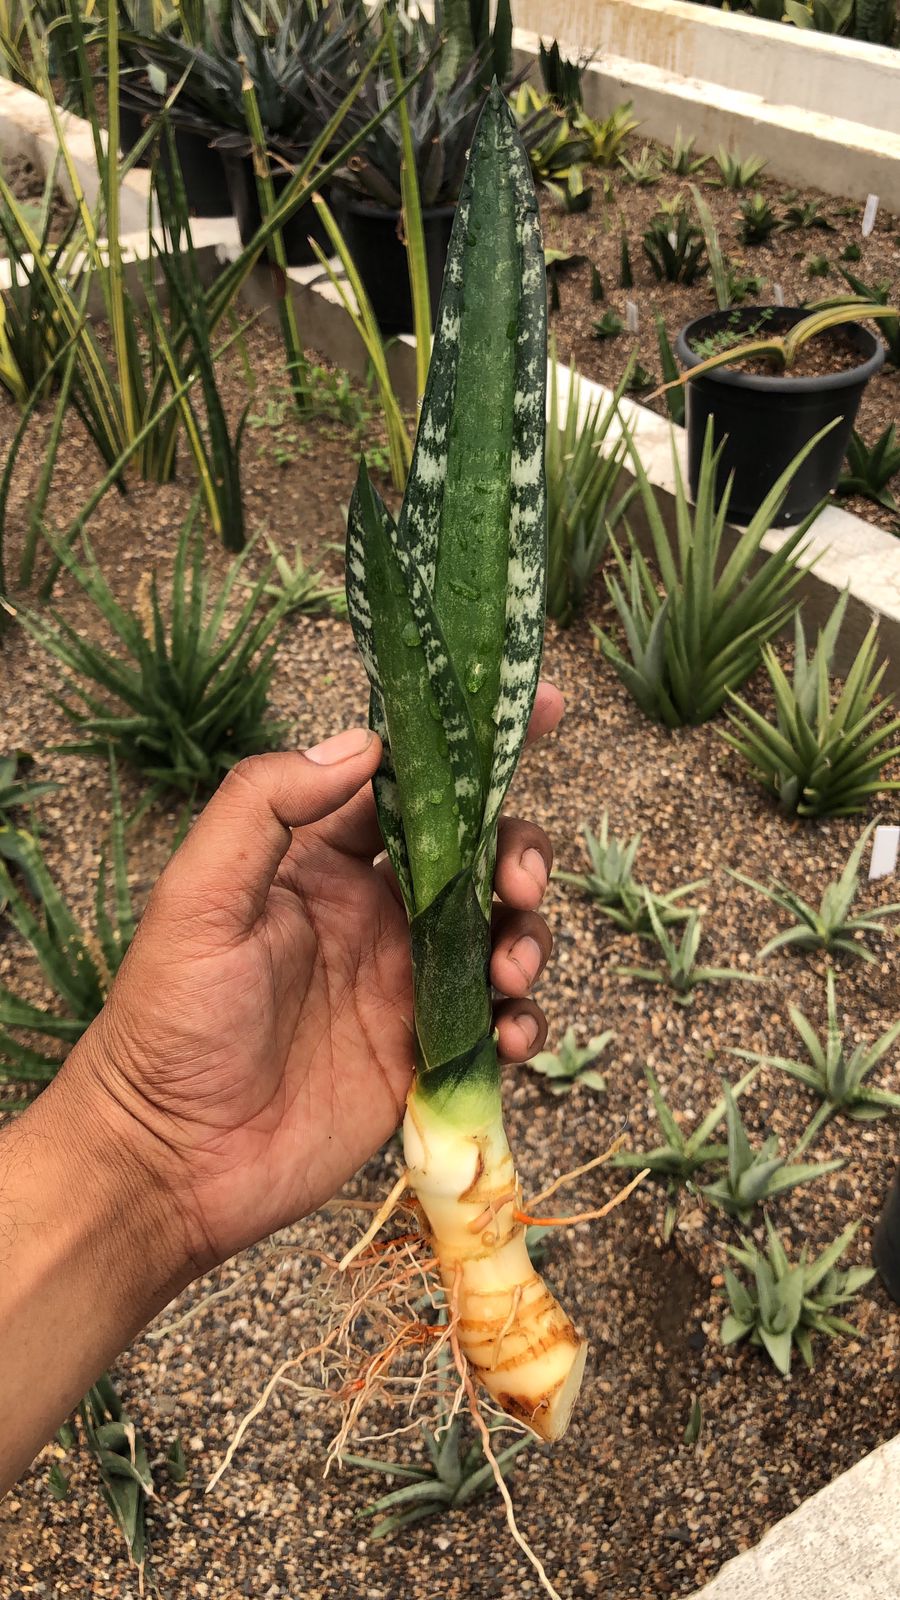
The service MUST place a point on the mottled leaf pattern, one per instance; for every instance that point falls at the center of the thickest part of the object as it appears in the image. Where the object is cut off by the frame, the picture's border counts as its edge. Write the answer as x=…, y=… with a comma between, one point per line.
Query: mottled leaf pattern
x=528, y=510
x=453, y=662
x=387, y=804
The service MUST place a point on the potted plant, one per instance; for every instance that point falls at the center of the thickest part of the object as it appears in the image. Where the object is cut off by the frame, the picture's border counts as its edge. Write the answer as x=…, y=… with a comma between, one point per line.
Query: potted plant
x=443, y=107
x=771, y=378
x=301, y=71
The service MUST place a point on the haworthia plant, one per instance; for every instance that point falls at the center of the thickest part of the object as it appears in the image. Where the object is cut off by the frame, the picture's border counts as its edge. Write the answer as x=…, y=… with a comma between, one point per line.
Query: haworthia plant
x=447, y=606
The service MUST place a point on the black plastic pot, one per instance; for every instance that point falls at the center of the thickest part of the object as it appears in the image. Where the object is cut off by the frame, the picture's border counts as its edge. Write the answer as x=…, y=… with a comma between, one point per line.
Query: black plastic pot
x=373, y=238
x=297, y=231
x=764, y=421
x=201, y=165
x=886, y=1242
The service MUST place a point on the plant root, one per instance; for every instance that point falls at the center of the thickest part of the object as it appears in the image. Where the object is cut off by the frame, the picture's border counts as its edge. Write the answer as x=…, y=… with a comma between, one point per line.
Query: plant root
x=383, y=1349
x=462, y=1367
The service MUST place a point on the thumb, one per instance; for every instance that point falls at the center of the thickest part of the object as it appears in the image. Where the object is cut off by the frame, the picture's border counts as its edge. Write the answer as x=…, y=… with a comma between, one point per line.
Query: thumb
x=226, y=865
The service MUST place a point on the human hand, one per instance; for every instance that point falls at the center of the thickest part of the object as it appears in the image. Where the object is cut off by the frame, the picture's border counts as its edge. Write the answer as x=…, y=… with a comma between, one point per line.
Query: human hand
x=257, y=1044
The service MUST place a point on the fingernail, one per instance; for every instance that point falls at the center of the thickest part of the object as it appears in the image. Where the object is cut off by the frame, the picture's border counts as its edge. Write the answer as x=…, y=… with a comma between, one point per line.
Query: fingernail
x=528, y=956
x=340, y=747
x=534, y=864
x=529, y=1027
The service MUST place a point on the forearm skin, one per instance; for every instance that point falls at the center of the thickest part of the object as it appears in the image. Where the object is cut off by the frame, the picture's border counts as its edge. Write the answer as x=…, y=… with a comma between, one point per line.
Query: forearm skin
x=89, y=1253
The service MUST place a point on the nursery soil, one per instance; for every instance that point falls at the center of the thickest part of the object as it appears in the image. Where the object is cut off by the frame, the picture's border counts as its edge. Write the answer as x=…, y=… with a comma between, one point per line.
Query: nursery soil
x=827, y=353
x=783, y=263
x=623, y=1508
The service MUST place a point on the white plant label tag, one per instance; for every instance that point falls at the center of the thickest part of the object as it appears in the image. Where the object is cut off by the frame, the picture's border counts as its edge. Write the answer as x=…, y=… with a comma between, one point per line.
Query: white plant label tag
x=870, y=212
x=631, y=316
x=778, y=294
x=885, y=849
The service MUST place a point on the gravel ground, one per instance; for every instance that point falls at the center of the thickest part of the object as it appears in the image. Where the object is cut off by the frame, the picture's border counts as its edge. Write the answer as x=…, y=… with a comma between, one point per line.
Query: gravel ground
x=624, y=1509
x=783, y=261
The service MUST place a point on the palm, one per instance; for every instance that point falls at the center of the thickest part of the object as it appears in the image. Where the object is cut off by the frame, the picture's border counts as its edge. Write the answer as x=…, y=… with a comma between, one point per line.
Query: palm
x=296, y=1037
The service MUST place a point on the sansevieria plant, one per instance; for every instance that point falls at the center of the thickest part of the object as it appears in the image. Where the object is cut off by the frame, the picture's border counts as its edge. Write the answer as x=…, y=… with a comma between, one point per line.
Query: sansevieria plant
x=447, y=605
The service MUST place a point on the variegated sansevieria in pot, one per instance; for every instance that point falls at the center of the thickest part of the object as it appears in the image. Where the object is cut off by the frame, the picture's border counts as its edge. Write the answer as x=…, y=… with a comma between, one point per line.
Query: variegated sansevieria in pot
x=447, y=606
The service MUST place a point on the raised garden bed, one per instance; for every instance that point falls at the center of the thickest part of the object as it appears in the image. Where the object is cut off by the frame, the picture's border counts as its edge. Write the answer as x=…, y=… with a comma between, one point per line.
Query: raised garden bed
x=782, y=265
x=625, y=1508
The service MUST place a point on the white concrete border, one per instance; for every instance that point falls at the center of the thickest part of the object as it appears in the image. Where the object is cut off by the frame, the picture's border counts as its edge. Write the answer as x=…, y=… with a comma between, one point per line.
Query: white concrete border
x=841, y=1544
x=821, y=110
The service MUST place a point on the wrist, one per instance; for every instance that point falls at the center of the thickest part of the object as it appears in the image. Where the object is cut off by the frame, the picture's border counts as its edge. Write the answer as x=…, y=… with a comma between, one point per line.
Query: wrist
x=138, y=1239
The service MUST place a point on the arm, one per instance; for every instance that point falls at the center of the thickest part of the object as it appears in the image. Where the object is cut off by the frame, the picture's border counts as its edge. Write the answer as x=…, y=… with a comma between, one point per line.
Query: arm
x=255, y=1049
x=88, y=1256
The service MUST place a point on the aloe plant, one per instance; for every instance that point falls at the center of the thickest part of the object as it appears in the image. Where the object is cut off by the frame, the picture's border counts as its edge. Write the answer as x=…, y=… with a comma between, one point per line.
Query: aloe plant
x=573, y=1063
x=684, y=649
x=612, y=885
x=447, y=607
x=833, y=1072
x=675, y=249
x=583, y=474
x=736, y=172
x=181, y=699
x=753, y=1176
x=78, y=962
x=681, y=972
x=455, y=1475
x=676, y=1162
x=786, y=1303
x=831, y=926
x=871, y=468
x=825, y=753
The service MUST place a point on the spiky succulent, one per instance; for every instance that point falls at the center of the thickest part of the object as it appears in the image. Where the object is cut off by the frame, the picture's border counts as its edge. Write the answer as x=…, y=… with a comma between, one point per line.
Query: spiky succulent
x=676, y=1162
x=612, y=884
x=831, y=927
x=825, y=754
x=786, y=1302
x=78, y=963
x=301, y=71
x=572, y=1063
x=456, y=1473
x=753, y=1176
x=16, y=792
x=681, y=972
x=675, y=248
x=871, y=468
x=758, y=220
x=442, y=117
x=834, y=1072
x=736, y=172
x=297, y=587
x=681, y=159
x=582, y=478
x=684, y=649
x=555, y=147
x=644, y=170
